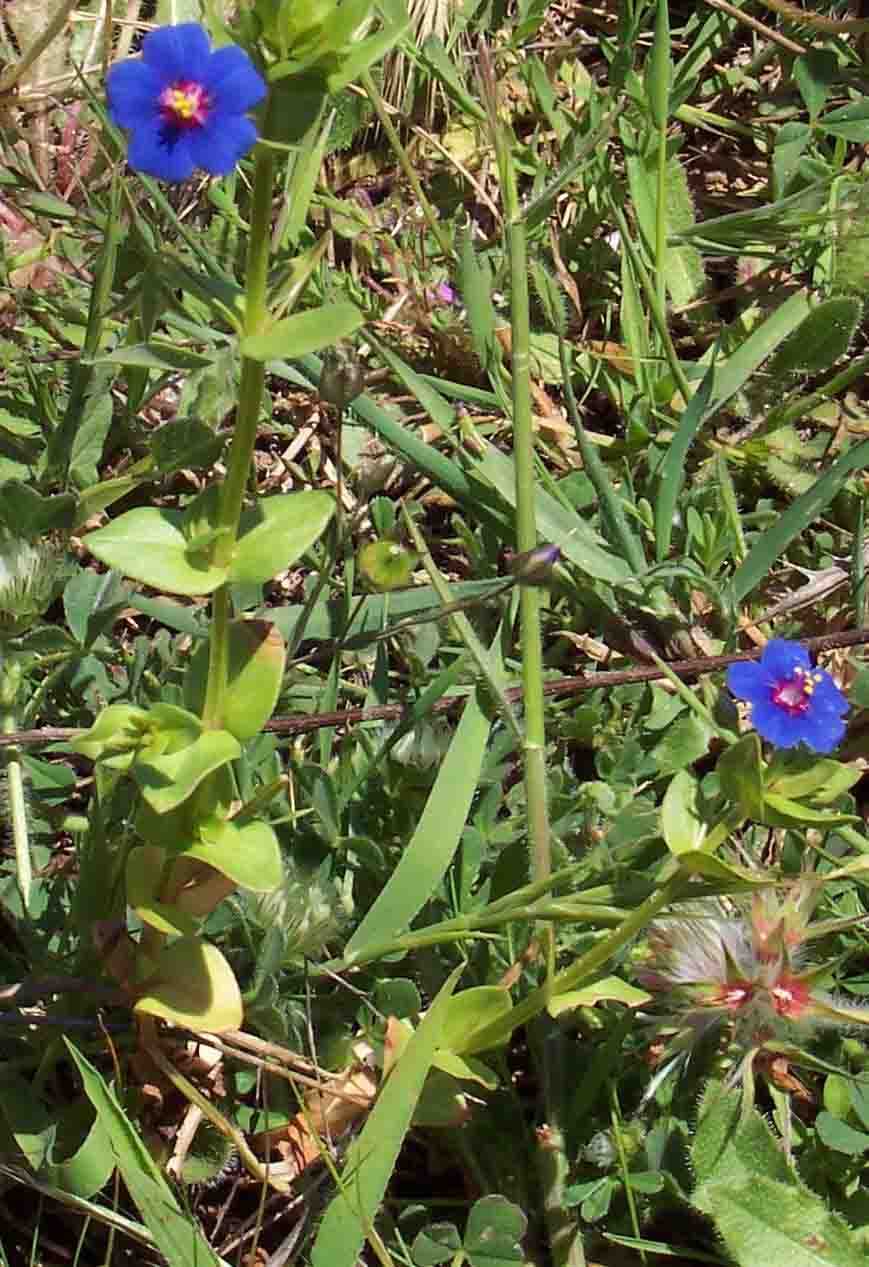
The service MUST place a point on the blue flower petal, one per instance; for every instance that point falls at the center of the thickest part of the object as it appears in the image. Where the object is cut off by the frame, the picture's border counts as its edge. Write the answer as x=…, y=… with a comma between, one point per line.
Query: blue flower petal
x=780, y=658
x=232, y=80
x=827, y=697
x=827, y=736
x=775, y=724
x=221, y=142
x=819, y=725
x=133, y=90
x=747, y=679
x=177, y=52
x=150, y=152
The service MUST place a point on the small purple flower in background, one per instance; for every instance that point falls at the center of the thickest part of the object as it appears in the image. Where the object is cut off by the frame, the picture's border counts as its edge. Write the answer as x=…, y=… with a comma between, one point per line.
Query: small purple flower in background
x=443, y=293
x=185, y=106
x=792, y=702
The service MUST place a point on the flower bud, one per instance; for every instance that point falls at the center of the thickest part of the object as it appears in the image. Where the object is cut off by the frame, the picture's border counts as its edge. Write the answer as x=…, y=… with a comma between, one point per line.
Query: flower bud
x=342, y=378
x=534, y=567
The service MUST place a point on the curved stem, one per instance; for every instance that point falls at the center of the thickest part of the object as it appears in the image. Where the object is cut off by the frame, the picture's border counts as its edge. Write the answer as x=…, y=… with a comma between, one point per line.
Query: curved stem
x=246, y=419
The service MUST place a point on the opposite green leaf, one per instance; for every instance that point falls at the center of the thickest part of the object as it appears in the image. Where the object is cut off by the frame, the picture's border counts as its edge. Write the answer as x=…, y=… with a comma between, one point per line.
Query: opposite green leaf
x=193, y=986
x=249, y=855
x=276, y=532
x=149, y=545
x=169, y=780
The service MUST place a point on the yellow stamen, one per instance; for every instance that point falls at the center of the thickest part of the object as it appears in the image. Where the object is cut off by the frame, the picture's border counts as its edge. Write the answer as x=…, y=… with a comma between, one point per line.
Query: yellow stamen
x=183, y=103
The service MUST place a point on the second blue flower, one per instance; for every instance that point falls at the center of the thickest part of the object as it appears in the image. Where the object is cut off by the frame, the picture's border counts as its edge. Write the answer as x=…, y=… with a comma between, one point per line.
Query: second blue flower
x=792, y=702
x=185, y=106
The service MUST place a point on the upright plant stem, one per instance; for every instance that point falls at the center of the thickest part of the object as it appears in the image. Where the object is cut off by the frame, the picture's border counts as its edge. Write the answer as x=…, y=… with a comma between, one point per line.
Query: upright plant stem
x=244, y=435
x=526, y=532
x=660, y=67
x=10, y=680
x=565, y=1241
x=18, y=817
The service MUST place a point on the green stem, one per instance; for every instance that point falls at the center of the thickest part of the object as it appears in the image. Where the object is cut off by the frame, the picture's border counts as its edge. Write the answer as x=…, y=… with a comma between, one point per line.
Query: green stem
x=10, y=681
x=585, y=966
x=526, y=527
x=252, y=372
x=661, y=220
x=246, y=419
x=18, y=817
x=656, y=310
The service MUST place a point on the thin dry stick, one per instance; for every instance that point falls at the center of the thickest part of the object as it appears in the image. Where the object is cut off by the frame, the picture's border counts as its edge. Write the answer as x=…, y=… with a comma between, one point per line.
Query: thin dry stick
x=747, y=20
x=554, y=689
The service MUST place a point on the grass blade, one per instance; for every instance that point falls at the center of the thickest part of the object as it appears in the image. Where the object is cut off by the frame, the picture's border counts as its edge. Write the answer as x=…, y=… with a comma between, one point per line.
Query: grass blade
x=425, y=860
x=372, y=1155
x=798, y=516
x=175, y=1233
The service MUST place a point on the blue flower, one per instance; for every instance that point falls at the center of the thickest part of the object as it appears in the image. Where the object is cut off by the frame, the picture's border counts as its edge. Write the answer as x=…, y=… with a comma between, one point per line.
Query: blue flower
x=185, y=105
x=791, y=701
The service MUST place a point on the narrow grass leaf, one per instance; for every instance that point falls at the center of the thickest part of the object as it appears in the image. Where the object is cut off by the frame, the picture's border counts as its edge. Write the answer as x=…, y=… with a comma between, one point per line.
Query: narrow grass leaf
x=476, y=283
x=372, y=1155
x=445, y=472
x=436, y=60
x=630, y=545
x=660, y=67
x=433, y=845
x=672, y=468
x=431, y=400
x=719, y=385
x=577, y=541
x=175, y=1233
x=798, y=516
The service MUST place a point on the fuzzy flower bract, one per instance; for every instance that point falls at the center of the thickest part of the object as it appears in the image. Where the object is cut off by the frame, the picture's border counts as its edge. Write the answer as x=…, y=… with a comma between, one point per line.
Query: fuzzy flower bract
x=791, y=701
x=185, y=106
x=32, y=574
x=743, y=969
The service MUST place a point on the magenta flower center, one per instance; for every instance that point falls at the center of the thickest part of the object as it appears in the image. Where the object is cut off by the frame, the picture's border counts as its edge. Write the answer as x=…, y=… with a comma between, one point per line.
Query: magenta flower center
x=735, y=996
x=185, y=104
x=794, y=694
x=790, y=998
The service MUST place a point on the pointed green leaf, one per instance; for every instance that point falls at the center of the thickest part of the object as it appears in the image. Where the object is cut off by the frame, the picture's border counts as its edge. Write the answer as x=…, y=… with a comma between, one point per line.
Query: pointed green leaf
x=681, y=825
x=824, y=780
x=372, y=1155
x=740, y=770
x=304, y=332
x=608, y=988
x=779, y=811
x=799, y=515
x=431, y=849
x=176, y=1235
x=470, y=1010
